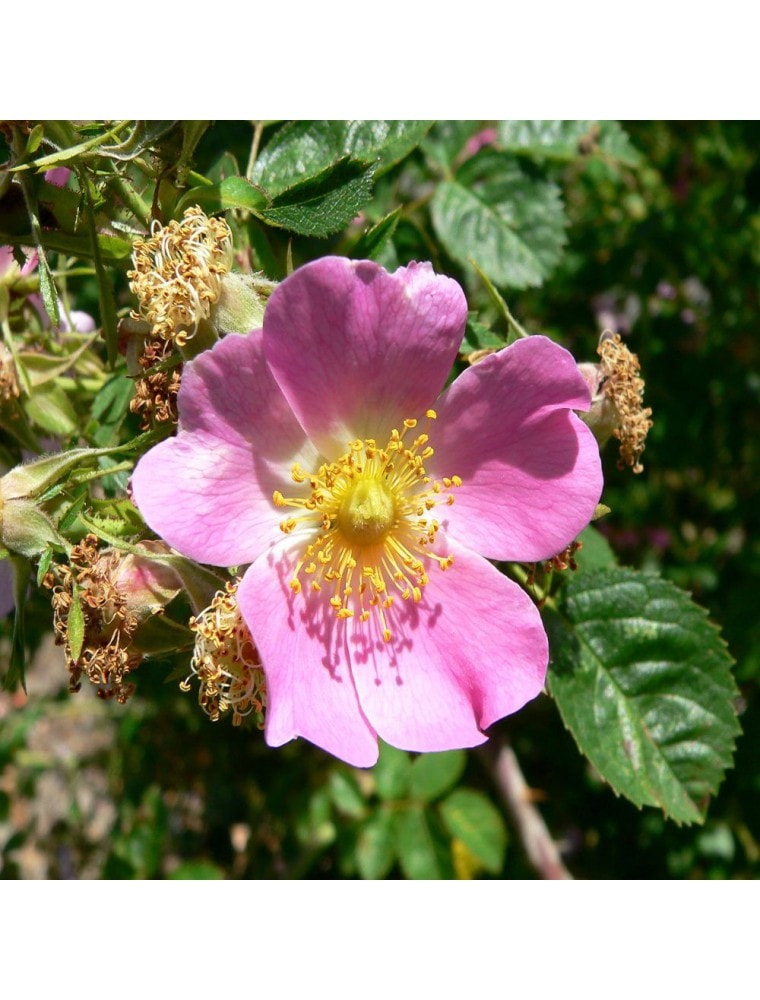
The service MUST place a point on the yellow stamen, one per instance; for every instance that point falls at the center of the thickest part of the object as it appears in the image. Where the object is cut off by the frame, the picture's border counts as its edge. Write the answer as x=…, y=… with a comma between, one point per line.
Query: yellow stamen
x=369, y=524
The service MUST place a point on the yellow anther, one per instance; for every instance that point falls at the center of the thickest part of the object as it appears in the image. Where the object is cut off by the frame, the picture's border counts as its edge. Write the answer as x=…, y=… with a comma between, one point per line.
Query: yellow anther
x=456, y=480
x=367, y=518
x=295, y=586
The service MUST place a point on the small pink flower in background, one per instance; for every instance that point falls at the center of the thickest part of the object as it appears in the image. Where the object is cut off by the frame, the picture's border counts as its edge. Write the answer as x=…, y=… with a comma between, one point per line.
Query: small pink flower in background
x=486, y=137
x=319, y=453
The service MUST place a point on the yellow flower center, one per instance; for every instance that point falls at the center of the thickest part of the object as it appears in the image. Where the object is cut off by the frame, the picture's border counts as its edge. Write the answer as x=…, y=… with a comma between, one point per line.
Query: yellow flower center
x=368, y=515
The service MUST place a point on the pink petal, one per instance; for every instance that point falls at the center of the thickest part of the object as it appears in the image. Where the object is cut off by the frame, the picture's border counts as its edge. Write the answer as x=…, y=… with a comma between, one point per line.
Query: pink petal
x=530, y=468
x=310, y=691
x=357, y=350
x=472, y=651
x=208, y=492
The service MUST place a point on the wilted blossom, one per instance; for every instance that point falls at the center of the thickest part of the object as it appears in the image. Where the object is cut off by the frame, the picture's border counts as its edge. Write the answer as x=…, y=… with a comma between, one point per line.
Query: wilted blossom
x=318, y=453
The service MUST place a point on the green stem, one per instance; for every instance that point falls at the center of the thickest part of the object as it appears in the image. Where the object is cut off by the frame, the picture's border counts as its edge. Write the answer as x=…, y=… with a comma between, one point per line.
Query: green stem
x=137, y=205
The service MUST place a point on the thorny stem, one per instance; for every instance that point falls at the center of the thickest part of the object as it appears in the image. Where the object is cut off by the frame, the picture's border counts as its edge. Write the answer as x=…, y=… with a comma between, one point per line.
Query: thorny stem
x=541, y=850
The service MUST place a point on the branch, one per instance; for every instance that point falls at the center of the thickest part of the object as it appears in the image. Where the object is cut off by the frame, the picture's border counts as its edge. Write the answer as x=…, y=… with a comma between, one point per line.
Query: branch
x=543, y=854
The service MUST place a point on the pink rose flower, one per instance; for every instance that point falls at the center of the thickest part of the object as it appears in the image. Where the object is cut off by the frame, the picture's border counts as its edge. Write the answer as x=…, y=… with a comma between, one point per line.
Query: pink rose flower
x=319, y=453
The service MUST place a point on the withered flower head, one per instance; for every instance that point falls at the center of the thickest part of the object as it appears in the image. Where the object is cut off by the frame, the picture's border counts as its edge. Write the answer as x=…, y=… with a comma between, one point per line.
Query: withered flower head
x=226, y=662
x=155, y=399
x=113, y=593
x=617, y=393
x=178, y=272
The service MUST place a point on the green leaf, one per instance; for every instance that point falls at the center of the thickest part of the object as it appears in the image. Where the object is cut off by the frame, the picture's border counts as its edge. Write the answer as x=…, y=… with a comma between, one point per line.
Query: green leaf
x=42, y=368
x=109, y=408
x=472, y=818
x=418, y=853
x=112, y=248
x=76, y=625
x=564, y=141
x=345, y=794
x=392, y=773
x=434, y=773
x=614, y=142
x=550, y=140
x=229, y=193
x=376, y=846
x=643, y=681
x=371, y=244
x=446, y=141
x=509, y=224
x=304, y=149
x=323, y=204
x=51, y=409
x=596, y=552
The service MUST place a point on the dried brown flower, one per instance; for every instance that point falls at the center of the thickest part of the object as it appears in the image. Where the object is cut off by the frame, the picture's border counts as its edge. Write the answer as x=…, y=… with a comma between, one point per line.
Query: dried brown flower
x=177, y=275
x=226, y=662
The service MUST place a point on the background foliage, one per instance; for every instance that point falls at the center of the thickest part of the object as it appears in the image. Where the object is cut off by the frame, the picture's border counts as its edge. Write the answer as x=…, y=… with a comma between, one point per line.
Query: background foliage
x=650, y=228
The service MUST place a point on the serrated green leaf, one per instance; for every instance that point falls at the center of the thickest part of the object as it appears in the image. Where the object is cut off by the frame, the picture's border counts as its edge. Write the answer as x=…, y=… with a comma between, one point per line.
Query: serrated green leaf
x=643, y=681
x=376, y=846
x=472, y=818
x=509, y=224
x=324, y=204
x=417, y=852
x=392, y=773
x=304, y=149
x=614, y=142
x=551, y=140
x=434, y=773
x=345, y=794
x=564, y=141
